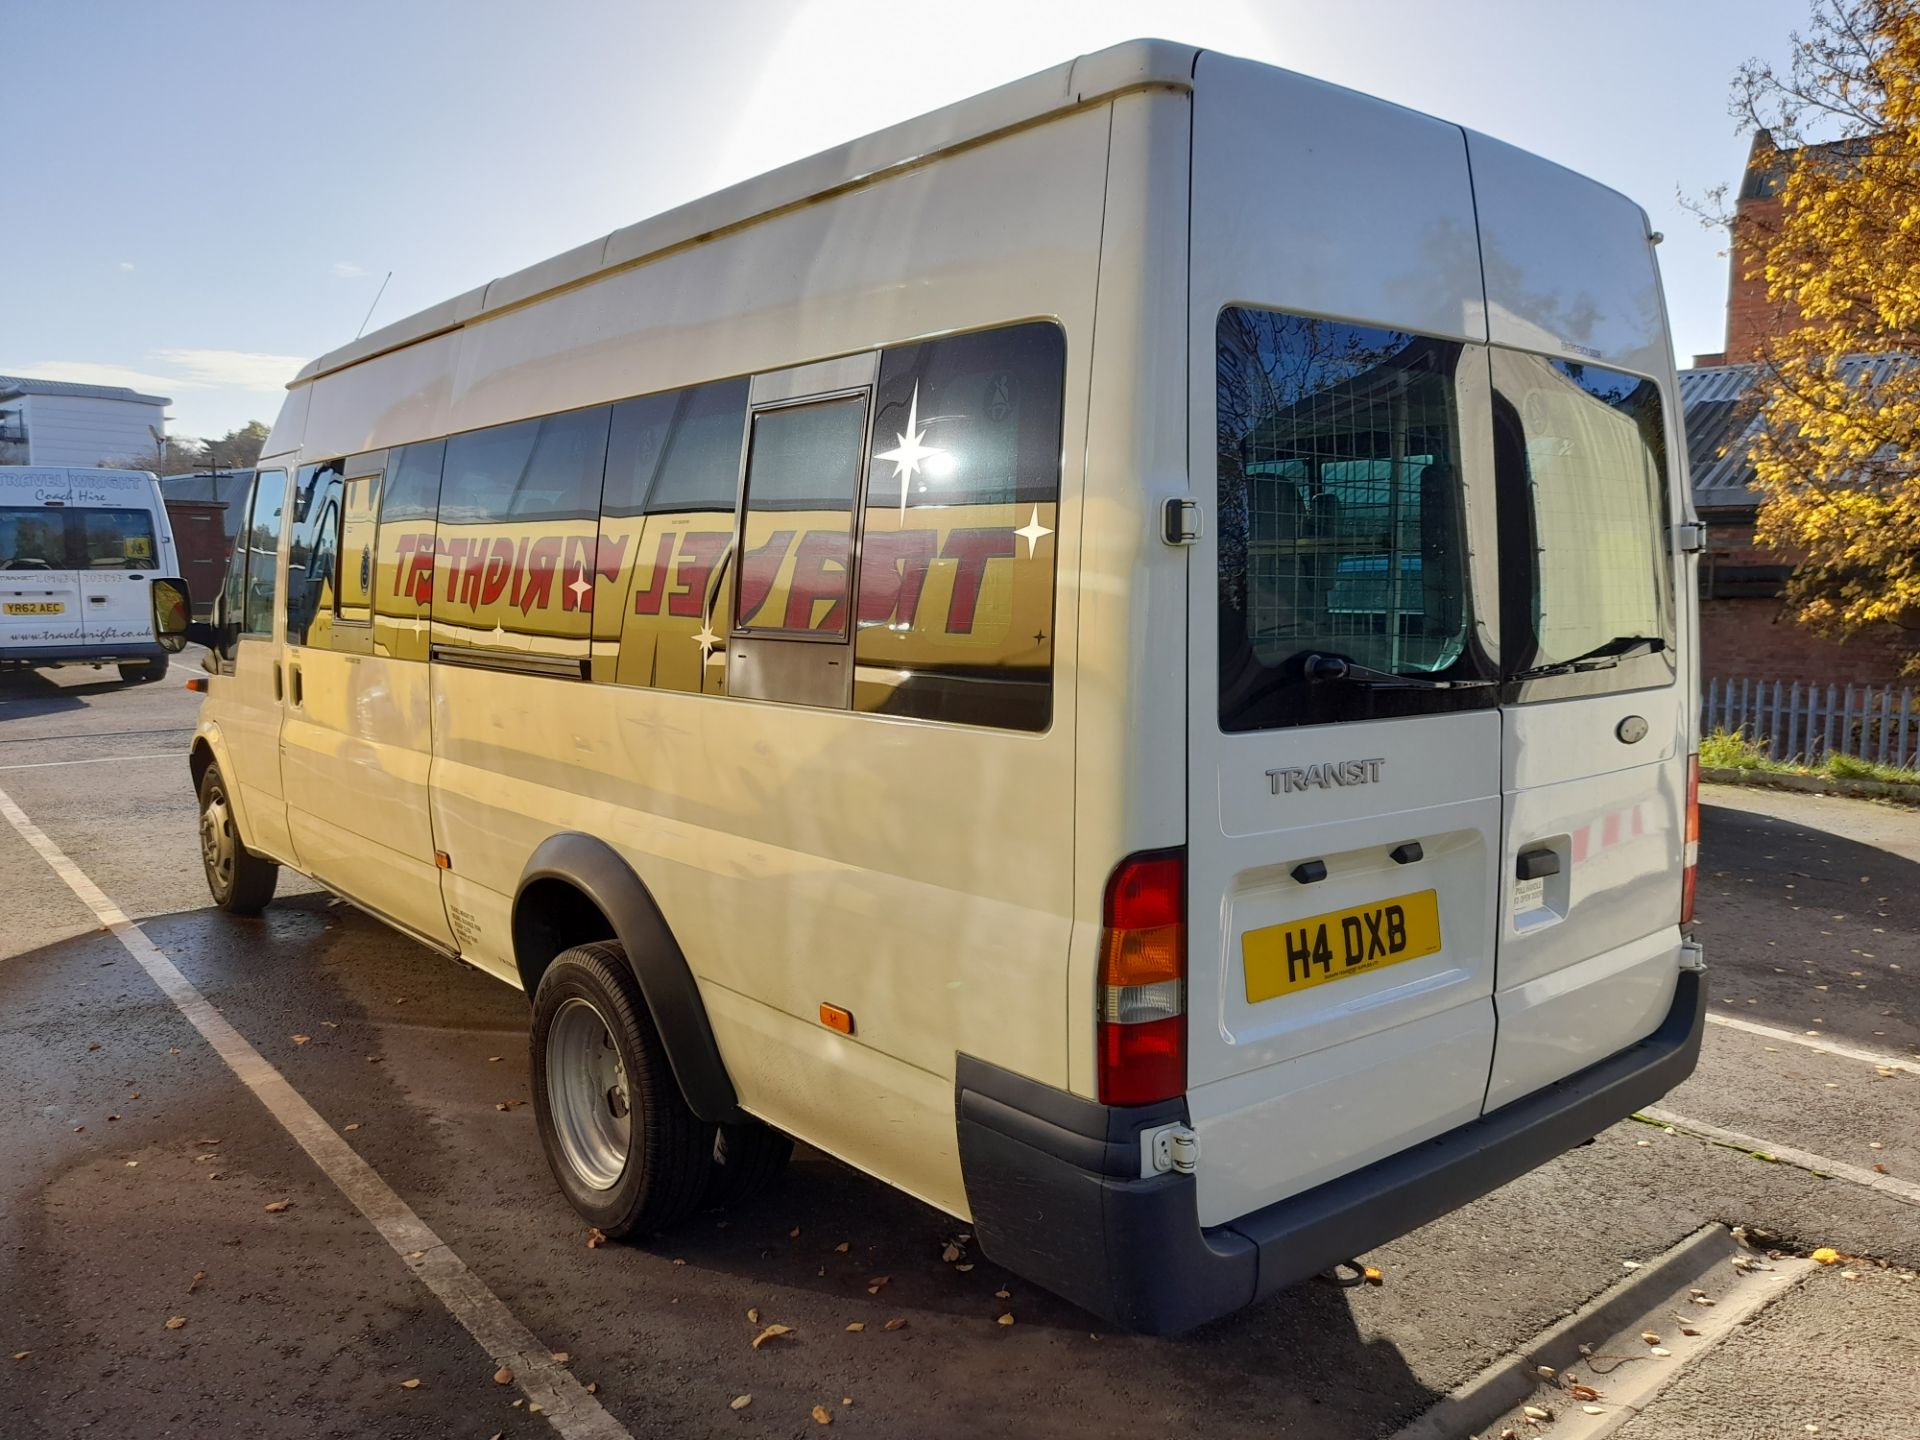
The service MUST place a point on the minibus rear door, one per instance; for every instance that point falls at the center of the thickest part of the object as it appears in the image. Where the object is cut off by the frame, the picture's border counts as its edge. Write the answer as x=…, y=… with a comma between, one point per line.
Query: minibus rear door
x=39, y=588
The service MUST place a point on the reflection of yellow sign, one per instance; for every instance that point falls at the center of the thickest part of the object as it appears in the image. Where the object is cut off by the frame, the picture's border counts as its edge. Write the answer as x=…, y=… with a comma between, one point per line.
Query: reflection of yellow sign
x=139, y=547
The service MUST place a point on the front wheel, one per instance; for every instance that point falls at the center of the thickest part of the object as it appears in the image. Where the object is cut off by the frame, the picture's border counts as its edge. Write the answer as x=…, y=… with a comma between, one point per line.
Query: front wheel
x=629, y=1153
x=241, y=882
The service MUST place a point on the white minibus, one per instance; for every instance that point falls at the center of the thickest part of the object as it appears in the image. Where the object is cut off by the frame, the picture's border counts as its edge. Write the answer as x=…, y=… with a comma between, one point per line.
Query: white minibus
x=79, y=552
x=1119, y=656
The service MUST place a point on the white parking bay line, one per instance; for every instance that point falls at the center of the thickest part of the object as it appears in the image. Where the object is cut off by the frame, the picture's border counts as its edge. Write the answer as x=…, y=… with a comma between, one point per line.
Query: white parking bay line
x=1787, y=1155
x=96, y=760
x=564, y=1402
x=1817, y=1042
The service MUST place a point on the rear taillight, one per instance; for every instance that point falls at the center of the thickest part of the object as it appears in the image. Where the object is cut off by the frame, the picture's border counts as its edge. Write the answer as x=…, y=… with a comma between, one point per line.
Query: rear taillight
x=1143, y=981
x=1693, y=840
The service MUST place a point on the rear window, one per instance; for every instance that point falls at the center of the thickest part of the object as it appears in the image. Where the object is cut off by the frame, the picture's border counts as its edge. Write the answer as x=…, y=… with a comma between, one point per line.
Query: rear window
x=1580, y=458
x=32, y=538
x=116, y=539
x=1342, y=520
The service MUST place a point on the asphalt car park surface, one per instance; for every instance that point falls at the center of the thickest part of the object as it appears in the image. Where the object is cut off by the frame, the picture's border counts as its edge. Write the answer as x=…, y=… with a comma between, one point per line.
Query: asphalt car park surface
x=133, y=1159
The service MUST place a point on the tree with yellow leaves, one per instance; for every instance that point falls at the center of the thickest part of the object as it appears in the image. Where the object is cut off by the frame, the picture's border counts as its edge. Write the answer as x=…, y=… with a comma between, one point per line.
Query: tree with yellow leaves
x=1837, y=450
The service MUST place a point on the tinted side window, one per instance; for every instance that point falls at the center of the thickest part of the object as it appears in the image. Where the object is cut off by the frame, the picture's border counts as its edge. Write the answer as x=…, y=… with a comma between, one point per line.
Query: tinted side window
x=1342, y=519
x=261, y=540
x=803, y=471
x=404, y=550
x=957, y=547
x=313, y=554
x=516, y=544
x=673, y=470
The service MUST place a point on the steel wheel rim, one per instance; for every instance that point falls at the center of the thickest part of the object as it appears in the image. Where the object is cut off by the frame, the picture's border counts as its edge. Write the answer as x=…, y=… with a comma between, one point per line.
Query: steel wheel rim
x=217, y=842
x=587, y=1094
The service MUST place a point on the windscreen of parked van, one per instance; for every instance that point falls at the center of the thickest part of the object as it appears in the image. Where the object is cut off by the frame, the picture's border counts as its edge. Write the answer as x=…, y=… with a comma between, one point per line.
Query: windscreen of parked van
x=1342, y=520
x=1580, y=455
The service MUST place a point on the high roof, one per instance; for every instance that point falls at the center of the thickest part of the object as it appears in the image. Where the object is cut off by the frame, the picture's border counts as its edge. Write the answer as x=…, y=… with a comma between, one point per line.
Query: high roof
x=1721, y=424
x=1134, y=65
x=12, y=385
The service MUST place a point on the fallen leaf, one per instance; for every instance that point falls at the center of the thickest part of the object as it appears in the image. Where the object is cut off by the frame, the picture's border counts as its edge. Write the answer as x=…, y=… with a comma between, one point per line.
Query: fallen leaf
x=1825, y=1255
x=842, y=1248
x=1536, y=1412
x=1849, y=1274
x=331, y=1024
x=509, y=1104
x=409, y=1384
x=1371, y=1274
x=1660, y=1350
x=679, y=1262
x=951, y=1254
x=771, y=1332
x=561, y=1357
x=874, y=1285
x=276, y=1207
x=1875, y=1145
x=1545, y=1372
x=1701, y=1300
x=1689, y=1330
x=1593, y=1409
x=93, y=1047
x=206, y=1142
x=493, y=1059
x=133, y=1164
x=79, y=1129
x=113, y=1117
x=354, y=1126
x=846, y=1399
x=593, y=1387
x=753, y=1316
x=194, y=1284
x=176, y=1322
x=1583, y=1392
x=822, y=1415
x=856, y=1326
x=1003, y=1294
x=1006, y=1319
x=503, y=1376
x=1878, y=1169
x=963, y=1269
x=1651, y=1337
x=373, y=1059
x=897, y=1323
x=595, y=1239
x=301, y=1039
x=22, y=1354
x=794, y=1233
x=740, y=1402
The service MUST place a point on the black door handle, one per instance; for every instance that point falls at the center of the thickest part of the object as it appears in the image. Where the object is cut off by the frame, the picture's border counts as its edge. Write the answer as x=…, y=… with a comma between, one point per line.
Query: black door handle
x=1535, y=864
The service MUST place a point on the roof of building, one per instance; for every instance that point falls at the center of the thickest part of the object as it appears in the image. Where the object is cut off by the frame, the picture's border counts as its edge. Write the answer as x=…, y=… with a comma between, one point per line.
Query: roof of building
x=1721, y=425
x=12, y=385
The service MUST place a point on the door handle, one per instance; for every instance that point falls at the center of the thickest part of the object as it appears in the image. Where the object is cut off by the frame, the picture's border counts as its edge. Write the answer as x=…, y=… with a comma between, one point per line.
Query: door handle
x=1537, y=864
x=293, y=674
x=277, y=691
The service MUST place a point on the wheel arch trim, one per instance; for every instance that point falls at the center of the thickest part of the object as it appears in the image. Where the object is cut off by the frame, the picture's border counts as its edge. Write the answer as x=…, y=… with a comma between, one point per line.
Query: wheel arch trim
x=596, y=870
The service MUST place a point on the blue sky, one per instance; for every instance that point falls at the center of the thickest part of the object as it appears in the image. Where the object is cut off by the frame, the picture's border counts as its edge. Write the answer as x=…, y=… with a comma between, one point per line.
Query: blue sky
x=204, y=194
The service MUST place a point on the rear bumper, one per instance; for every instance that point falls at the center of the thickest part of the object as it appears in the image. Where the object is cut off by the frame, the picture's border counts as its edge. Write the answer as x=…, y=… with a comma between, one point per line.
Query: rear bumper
x=80, y=653
x=1054, y=1184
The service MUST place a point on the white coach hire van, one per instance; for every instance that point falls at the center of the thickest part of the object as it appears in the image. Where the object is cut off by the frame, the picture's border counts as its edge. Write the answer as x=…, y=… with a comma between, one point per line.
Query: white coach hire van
x=1119, y=656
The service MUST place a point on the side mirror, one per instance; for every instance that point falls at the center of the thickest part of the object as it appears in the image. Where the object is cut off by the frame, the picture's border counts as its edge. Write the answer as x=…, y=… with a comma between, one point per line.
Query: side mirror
x=171, y=609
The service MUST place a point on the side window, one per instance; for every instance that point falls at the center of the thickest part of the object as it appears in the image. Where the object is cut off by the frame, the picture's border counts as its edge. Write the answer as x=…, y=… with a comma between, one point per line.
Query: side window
x=364, y=478
x=1580, y=459
x=516, y=544
x=673, y=471
x=803, y=473
x=313, y=554
x=403, y=567
x=955, y=613
x=261, y=541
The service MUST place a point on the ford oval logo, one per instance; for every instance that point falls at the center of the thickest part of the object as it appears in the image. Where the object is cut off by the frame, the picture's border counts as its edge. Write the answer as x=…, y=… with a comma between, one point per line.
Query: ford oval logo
x=1631, y=730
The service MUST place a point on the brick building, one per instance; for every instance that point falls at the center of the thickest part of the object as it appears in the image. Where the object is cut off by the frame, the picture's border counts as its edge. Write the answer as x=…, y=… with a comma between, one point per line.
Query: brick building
x=1746, y=631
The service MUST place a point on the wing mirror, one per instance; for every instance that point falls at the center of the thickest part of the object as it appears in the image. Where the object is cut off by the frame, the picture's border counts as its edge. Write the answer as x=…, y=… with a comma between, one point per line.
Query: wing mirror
x=172, y=626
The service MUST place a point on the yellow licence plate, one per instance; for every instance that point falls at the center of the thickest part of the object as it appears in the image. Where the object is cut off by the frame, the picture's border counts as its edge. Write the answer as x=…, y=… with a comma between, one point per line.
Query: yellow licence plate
x=1280, y=959
x=36, y=607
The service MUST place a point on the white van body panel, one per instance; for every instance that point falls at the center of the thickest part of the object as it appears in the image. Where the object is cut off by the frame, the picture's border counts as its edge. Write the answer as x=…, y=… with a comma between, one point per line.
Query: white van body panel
x=105, y=610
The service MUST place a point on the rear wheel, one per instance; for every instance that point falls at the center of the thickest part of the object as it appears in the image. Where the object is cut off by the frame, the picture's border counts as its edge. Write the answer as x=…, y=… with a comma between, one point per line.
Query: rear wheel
x=628, y=1152
x=241, y=881
x=143, y=672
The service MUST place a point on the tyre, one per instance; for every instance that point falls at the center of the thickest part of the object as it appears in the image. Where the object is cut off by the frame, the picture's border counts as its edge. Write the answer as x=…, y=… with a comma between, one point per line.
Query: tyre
x=143, y=672
x=241, y=881
x=746, y=1159
x=628, y=1152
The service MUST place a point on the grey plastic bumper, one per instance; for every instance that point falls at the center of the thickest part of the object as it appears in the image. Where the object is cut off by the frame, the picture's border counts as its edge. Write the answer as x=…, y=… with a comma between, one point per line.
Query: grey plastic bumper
x=1054, y=1184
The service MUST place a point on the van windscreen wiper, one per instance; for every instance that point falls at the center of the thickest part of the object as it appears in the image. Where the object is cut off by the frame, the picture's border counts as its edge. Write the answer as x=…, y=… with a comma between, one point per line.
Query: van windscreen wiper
x=1320, y=668
x=1601, y=657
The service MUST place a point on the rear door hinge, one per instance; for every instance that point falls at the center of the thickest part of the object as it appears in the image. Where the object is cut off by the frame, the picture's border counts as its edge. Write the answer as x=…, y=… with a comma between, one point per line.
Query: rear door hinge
x=1173, y=1148
x=1690, y=537
x=1180, y=520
